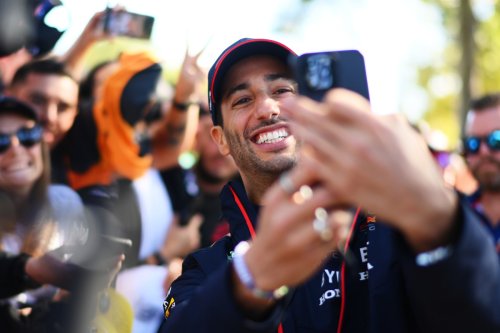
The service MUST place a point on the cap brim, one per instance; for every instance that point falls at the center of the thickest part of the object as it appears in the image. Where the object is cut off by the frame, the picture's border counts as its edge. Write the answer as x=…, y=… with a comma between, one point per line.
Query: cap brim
x=14, y=106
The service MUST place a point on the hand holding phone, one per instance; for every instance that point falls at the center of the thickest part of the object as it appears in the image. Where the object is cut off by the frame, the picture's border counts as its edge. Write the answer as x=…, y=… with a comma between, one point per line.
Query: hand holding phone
x=316, y=73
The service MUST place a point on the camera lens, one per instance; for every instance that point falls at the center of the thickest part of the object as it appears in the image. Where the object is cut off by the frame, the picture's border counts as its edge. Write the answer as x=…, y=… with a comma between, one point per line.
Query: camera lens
x=319, y=75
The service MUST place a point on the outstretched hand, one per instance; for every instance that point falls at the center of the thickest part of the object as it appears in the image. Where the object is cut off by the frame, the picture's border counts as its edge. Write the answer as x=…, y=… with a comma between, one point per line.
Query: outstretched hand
x=377, y=162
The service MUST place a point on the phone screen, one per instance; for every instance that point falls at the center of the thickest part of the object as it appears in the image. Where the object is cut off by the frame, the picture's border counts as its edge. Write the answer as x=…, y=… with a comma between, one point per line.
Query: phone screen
x=123, y=23
x=316, y=73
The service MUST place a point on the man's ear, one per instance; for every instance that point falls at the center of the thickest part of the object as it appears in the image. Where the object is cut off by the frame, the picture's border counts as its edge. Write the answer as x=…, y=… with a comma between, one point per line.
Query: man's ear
x=219, y=138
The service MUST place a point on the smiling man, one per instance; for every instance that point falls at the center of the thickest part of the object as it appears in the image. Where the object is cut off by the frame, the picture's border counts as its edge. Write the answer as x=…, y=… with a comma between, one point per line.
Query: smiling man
x=253, y=131
x=297, y=260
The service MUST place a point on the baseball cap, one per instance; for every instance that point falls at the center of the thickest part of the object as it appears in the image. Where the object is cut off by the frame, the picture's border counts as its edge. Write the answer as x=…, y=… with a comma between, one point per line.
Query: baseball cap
x=237, y=51
x=13, y=105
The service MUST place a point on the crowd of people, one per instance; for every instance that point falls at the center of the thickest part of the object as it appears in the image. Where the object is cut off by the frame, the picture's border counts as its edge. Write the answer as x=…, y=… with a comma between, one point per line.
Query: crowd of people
x=297, y=216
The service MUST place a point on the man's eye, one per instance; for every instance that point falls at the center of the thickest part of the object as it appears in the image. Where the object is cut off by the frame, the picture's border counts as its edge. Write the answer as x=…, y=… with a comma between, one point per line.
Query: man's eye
x=62, y=108
x=241, y=101
x=281, y=91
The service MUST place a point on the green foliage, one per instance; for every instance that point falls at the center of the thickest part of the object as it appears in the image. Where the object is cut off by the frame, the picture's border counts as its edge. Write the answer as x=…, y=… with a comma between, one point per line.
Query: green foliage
x=487, y=57
x=443, y=111
x=441, y=116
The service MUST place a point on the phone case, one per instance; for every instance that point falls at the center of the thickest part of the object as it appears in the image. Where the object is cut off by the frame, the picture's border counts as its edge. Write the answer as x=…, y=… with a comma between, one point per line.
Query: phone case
x=318, y=72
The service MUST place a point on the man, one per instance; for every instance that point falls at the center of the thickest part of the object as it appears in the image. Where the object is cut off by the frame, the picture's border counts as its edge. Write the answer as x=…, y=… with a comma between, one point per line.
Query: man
x=295, y=276
x=212, y=171
x=482, y=152
x=196, y=191
x=52, y=92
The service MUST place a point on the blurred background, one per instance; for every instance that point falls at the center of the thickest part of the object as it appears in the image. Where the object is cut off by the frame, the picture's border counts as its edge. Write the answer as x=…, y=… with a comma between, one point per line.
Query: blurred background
x=424, y=58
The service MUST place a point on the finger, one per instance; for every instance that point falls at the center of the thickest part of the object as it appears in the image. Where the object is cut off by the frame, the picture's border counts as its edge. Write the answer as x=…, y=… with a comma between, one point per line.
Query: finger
x=290, y=182
x=200, y=52
x=195, y=221
x=293, y=216
x=341, y=107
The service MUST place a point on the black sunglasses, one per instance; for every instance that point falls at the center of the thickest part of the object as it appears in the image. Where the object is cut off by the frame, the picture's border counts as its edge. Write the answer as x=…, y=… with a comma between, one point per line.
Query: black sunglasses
x=27, y=137
x=473, y=143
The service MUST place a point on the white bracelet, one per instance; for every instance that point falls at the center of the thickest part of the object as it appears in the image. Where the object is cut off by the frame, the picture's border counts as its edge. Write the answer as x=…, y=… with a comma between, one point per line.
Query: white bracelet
x=241, y=269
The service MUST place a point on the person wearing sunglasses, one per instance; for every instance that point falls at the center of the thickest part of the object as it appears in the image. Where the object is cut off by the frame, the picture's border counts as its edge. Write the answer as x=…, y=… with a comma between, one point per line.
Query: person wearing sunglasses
x=35, y=217
x=481, y=148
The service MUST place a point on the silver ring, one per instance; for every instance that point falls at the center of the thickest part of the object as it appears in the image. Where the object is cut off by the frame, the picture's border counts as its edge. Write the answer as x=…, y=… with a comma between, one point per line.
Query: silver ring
x=320, y=224
x=287, y=184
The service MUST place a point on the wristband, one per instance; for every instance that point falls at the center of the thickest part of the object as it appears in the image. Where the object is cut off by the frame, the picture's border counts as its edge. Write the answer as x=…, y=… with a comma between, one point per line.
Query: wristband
x=182, y=106
x=241, y=269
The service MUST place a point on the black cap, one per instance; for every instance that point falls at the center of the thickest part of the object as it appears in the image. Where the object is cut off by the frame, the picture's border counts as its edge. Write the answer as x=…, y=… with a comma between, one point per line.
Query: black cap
x=239, y=50
x=15, y=106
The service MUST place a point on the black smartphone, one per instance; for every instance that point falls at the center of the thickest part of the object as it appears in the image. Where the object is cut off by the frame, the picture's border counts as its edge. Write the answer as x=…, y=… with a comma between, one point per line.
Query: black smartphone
x=318, y=72
x=124, y=23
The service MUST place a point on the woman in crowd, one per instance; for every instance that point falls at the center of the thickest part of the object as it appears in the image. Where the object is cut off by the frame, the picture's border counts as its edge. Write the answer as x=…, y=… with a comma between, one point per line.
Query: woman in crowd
x=36, y=217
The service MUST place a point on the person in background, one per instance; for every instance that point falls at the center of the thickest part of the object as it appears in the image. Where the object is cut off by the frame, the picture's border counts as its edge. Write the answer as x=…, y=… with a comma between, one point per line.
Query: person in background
x=37, y=217
x=48, y=87
x=134, y=133
x=481, y=148
x=197, y=189
x=450, y=161
x=195, y=194
x=341, y=220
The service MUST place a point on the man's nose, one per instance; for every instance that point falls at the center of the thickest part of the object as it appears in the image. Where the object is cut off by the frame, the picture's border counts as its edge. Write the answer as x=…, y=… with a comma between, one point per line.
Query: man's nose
x=50, y=114
x=267, y=108
x=484, y=149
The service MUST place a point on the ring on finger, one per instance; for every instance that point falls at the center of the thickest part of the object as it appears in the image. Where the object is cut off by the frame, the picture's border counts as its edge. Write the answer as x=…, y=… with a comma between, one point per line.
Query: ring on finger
x=304, y=193
x=320, y=224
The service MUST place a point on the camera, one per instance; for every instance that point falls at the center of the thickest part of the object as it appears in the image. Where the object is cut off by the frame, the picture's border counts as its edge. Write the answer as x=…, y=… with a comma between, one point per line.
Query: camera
x=316, y=73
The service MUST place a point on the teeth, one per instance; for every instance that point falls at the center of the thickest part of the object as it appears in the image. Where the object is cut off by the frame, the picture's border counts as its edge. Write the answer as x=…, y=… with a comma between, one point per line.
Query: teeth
x=272, y=137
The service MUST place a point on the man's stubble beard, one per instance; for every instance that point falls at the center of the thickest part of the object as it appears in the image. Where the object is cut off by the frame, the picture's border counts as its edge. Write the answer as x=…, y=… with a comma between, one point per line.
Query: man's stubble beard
x=488, y=182
x=250, y=164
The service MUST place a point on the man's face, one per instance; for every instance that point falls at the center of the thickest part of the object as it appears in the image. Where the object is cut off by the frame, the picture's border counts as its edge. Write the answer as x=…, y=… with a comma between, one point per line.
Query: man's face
x=54, y=97
x=485, y=164
x=254, y=133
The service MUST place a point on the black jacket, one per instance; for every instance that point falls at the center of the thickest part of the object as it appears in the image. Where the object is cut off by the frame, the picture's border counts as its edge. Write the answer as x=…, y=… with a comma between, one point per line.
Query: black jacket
x=458, y=294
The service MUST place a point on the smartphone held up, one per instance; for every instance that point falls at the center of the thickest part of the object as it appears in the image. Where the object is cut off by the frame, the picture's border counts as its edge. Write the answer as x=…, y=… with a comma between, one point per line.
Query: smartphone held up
x=128, y=24
x=316, y=73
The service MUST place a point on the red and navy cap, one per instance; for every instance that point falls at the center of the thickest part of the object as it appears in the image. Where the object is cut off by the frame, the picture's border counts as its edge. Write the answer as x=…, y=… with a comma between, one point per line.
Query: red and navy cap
x=239, y=50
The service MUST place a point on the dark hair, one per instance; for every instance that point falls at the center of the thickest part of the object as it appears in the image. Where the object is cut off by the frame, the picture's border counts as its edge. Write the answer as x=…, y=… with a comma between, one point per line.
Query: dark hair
x=485, y=102
x=49, y=66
